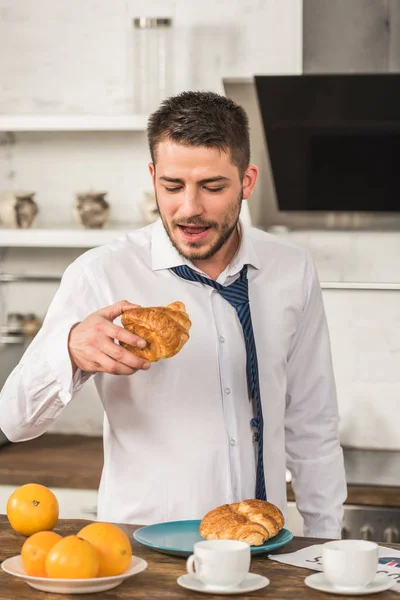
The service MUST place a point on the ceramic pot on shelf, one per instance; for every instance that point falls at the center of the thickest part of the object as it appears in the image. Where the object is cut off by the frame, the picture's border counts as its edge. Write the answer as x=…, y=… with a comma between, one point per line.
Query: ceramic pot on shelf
x=18, y=209
x=91, y=209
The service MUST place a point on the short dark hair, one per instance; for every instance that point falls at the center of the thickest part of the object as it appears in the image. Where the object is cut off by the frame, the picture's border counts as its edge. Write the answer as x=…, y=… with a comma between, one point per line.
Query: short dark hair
x=202, y=119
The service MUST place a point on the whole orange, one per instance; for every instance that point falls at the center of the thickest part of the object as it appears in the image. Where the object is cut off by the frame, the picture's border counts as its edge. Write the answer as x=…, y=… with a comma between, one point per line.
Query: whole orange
x=72, y=558
x=35, y=549
x=112, y=545
x=32, y=508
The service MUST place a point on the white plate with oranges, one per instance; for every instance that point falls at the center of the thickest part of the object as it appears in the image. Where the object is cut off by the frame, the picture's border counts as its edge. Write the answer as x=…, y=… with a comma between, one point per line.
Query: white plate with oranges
x=96, y=559
x=14, y=566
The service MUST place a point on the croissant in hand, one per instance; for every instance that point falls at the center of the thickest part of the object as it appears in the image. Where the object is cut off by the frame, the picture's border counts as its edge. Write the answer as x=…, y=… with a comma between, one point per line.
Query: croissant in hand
x=165, y=329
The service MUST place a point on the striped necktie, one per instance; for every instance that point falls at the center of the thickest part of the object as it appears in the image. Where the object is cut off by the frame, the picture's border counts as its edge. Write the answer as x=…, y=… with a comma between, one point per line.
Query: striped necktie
x=237, y=294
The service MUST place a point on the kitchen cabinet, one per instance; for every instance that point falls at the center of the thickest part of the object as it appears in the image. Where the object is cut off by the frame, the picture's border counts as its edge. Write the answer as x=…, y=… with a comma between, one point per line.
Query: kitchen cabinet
x=365, y=332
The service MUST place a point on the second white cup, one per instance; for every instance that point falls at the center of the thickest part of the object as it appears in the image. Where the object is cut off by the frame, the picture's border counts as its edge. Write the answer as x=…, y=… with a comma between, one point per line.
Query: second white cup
x=220, y=563
x=350, y=564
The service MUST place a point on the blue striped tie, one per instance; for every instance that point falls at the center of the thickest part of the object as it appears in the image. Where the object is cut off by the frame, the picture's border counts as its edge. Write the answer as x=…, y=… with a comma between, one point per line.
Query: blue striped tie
x=237, y=294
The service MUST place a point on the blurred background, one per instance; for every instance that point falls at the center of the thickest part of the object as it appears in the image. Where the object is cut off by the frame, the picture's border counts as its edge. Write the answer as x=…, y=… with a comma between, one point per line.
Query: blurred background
x=320, y=80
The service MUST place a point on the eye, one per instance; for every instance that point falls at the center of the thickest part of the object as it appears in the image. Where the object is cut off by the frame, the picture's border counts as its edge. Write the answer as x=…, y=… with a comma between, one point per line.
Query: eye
x=218, y=189
x=173, y=189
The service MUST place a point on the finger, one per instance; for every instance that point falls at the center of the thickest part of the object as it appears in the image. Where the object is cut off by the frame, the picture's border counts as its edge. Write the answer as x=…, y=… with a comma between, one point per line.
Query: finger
x=105, y=364
x=123, y=335
x=120, y=354
x=115, y=310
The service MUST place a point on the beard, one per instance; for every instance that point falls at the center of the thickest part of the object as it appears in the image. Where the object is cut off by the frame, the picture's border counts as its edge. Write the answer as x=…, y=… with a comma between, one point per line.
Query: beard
x=225, y=229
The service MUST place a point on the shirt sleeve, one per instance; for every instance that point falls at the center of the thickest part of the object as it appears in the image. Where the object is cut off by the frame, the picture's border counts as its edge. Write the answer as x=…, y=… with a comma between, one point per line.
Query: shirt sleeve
x=313, y=453
x=42, y=384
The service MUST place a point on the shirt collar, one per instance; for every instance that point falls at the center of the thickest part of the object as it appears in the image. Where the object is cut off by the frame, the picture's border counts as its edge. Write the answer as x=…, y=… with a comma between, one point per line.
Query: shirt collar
x=164, y=255
x=246, y=254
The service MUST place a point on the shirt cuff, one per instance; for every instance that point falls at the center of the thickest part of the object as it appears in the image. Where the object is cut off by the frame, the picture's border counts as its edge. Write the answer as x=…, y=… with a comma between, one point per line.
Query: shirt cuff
x=80, y=378
x=59, y=360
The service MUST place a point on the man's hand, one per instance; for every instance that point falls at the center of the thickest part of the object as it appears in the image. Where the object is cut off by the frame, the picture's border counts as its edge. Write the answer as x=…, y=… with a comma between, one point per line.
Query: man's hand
x=92, y=346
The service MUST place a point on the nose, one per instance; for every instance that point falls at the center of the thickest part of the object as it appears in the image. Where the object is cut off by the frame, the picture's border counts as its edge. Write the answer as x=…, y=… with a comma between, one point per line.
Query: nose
x=191, y=203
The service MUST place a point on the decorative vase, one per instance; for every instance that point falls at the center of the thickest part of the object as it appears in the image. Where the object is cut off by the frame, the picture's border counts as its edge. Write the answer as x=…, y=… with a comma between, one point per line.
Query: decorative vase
x=91, y=209
x=17, y=209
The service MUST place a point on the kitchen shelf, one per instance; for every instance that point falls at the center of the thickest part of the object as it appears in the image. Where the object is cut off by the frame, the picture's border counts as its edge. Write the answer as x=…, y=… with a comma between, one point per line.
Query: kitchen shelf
x=62, y=238
x=358, y=285
x=13, y=123
x=26, y=278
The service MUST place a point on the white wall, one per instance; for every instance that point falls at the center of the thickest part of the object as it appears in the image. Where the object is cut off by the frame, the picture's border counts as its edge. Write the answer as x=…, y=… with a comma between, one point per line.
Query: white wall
x=76, y=56
x=365, y=337
x=364, y=327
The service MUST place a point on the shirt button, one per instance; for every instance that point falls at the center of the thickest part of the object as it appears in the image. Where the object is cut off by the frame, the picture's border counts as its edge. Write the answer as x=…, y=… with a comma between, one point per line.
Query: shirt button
x=221, y=339
x=232, y=442
x=227, y=391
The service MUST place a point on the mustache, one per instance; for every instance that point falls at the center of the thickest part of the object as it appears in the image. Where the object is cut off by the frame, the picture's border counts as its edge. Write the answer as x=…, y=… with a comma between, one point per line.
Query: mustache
x=195, y=221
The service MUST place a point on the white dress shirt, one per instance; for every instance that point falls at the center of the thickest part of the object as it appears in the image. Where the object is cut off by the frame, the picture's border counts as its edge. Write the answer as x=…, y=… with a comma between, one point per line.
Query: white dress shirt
x=177, y=438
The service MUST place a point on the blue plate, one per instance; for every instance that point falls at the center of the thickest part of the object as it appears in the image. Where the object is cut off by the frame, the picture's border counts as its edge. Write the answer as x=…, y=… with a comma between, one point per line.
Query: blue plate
x=179, y=537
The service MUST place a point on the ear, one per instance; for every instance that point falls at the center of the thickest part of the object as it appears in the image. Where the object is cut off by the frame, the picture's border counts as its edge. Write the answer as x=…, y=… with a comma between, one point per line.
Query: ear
x=249, y=181
x=152, y=171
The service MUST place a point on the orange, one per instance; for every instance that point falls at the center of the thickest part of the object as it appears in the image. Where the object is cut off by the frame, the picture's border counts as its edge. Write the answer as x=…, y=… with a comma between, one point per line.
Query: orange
x=35, y=549
x=32, y=508
x=112, y=545
x=72, y=558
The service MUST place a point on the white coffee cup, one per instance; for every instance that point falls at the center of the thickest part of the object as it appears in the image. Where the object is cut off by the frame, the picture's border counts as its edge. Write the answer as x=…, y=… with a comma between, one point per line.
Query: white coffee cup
x=220, y=563
x=350, y=563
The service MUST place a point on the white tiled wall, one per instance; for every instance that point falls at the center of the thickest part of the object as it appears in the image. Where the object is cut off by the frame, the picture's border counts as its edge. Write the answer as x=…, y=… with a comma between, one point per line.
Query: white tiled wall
x=365, y=330
x=352, y=256
x=365, y=337
x=75, y=56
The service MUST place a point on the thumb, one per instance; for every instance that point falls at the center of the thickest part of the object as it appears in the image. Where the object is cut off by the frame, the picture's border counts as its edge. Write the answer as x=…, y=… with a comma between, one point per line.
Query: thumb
x=115, y=310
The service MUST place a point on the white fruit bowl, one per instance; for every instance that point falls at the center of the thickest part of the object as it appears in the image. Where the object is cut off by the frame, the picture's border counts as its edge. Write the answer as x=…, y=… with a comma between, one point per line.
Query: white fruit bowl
x=13, y=566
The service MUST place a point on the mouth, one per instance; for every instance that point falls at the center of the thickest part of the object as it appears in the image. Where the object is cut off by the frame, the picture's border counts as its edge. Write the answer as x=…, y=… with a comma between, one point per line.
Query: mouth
x=193, y=233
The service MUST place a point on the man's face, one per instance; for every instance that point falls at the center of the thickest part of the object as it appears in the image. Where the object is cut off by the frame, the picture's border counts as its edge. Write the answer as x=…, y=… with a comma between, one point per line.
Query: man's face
x=199, y=195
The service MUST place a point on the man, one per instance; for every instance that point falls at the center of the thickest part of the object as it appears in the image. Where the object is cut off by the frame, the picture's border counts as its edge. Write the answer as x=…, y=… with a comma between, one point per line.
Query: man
x=249, y=392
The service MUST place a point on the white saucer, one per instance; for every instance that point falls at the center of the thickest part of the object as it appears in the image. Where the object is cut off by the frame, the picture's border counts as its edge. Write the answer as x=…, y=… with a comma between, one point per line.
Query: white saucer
x=381, y=583
x=252, y=583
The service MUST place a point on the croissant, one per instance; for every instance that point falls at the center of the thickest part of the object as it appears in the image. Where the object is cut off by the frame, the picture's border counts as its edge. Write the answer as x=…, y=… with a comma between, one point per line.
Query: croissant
x=251, y=521
x=165, y=329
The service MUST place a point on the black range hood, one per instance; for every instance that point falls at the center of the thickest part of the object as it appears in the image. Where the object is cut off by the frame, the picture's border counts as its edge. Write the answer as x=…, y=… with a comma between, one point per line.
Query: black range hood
x=333, y=141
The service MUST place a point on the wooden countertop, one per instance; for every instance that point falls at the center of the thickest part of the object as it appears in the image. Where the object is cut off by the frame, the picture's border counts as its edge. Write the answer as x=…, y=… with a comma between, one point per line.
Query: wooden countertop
x=366, y=495
x=159, y=579
x=76, y=461
x=54, y=460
